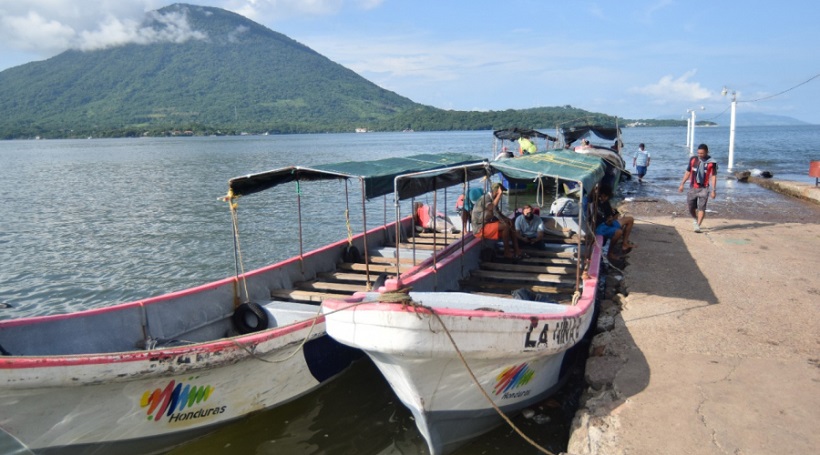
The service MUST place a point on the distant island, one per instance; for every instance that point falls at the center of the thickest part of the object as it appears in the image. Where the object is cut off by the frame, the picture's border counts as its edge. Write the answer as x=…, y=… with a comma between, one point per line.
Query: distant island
x=744, y=119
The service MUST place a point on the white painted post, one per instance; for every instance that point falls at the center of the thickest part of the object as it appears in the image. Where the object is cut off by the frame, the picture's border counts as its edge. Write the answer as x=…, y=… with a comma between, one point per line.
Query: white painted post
x=692, y=139
x=732, y=134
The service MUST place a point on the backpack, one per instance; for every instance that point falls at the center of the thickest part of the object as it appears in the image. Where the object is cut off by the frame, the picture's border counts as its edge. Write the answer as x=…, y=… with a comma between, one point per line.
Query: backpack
x=473, y=195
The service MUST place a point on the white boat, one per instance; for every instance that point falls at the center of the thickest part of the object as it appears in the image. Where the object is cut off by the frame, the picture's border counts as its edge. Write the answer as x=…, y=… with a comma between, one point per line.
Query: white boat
x=144, y=376
x=611, y=154
x=457, y=349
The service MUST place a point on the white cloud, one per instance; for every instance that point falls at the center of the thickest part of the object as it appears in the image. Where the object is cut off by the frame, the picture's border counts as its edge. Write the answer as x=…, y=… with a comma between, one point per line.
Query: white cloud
x=174, y=28
x=46, y=27
x=277, y=10
x=672, y=89
x=33, y=32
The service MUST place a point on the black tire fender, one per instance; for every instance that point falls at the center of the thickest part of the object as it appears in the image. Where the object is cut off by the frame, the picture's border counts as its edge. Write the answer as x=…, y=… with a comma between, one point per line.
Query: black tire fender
x=250, y=317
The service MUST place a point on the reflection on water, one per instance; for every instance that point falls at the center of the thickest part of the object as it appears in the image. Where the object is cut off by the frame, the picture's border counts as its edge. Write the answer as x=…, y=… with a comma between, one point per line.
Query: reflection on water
x=11, y=446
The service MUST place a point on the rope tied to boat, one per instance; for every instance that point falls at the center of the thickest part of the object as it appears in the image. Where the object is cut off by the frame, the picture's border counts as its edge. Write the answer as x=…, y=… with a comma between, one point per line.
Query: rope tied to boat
x=398, y=296
x=298, y=348
x=539, y=191
x=231, y=199
x=478, y=385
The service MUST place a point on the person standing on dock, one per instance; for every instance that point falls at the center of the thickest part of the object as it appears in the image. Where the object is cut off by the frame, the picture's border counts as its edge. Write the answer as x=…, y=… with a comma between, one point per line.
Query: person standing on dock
x=641, y=162
x=702, y=175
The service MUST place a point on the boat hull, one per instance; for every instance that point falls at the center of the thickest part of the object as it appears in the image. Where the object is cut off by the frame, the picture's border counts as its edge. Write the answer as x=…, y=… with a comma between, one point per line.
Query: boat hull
x=459, y=412
x=162, y=399
x=514, y=356
x=455, y=359
x=144, y=376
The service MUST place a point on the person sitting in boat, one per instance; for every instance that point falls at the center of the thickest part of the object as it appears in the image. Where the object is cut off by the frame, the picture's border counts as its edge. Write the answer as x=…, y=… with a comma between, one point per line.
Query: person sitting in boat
x=526, y=146
x=529, y=228
x=429, y=223
x=464, y=205
x=489, y=223
x=612, y=226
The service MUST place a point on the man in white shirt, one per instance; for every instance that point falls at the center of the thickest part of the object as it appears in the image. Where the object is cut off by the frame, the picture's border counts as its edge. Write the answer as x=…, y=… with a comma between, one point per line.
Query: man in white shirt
x=641, y=162
x=529, y=228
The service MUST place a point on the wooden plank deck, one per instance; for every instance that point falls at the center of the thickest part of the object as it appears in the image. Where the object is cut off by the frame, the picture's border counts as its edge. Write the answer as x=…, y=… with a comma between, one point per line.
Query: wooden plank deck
x=520, y=277
x=530, y=268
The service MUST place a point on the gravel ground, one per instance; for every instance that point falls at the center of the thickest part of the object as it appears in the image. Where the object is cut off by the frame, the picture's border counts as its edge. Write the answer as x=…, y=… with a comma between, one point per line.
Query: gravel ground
x=709, y=342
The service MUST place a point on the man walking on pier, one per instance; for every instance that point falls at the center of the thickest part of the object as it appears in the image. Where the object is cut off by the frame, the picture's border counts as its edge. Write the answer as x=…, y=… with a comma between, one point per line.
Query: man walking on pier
x=702, y=175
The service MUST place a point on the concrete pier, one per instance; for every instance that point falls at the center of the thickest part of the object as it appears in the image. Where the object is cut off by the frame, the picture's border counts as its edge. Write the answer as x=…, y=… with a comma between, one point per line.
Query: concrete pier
x=712, y=345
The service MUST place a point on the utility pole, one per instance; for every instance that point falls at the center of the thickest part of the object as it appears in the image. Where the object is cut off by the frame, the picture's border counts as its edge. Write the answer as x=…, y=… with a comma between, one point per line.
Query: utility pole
x=731, y=128
x=691, y=131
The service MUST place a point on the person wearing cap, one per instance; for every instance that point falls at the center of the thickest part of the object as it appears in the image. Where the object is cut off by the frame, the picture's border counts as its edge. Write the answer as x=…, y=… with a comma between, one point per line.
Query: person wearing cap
x=489, y=223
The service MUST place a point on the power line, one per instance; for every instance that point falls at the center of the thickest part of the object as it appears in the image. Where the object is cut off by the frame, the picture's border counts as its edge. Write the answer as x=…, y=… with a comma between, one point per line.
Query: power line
x=718, y=115
x=784, y=91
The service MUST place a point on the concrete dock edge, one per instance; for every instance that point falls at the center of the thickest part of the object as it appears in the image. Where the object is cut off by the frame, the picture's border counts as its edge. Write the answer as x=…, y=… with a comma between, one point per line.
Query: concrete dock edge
x=707, y=343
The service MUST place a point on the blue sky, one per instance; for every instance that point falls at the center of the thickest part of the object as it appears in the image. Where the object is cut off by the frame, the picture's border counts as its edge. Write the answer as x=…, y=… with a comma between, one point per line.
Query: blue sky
x=633, y=59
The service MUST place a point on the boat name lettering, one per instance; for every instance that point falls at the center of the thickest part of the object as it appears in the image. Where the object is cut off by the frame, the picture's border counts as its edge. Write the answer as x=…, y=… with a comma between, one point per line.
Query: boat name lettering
x=567, y=331
x=542, y=337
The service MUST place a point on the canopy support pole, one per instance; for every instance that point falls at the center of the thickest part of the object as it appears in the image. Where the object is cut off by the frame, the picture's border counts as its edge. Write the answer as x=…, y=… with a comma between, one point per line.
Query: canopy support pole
x=398, y=233
x=299, y=218
x=364, y=236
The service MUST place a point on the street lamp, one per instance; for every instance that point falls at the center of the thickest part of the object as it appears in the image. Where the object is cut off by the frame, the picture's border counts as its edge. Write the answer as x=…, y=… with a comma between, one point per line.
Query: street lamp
x=731, y=128
x=690, y=139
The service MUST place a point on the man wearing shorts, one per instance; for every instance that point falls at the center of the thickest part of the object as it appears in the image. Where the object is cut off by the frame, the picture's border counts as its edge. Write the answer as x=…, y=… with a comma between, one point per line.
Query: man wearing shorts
x=641, y=162
x=702, y=175
x=612, y=225
x=489, y=223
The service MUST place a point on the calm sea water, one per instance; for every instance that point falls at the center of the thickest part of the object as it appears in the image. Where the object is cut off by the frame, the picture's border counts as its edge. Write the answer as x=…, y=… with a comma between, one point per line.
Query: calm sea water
x=91, y=223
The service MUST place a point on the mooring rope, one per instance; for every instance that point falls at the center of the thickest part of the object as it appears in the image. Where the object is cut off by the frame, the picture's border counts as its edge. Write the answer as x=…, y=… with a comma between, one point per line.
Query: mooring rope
x=232, y=205
x=402, y=296
x=473, y=377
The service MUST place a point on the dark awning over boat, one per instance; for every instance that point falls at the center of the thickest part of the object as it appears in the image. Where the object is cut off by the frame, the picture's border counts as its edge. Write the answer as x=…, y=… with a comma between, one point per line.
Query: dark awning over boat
x=560, y=164
x=513, y=134
x=437, y=171
x=573, y=133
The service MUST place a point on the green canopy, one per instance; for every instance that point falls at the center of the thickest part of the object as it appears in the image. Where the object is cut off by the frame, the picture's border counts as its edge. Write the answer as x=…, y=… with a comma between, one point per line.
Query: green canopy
x=559, y=164
x=432, y=171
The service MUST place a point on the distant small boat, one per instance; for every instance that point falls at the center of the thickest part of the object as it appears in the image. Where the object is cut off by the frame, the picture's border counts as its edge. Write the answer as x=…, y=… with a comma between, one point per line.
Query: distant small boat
x=361, y=130
x=501, y=150
x=611, y=155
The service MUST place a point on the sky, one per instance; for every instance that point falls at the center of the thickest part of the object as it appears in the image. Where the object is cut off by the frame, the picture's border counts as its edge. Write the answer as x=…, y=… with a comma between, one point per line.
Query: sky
x=629, y=58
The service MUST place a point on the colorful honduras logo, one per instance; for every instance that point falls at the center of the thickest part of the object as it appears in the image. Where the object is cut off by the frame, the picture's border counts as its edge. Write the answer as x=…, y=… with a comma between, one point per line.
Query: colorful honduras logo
x=174, y=397
x=512, y=378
